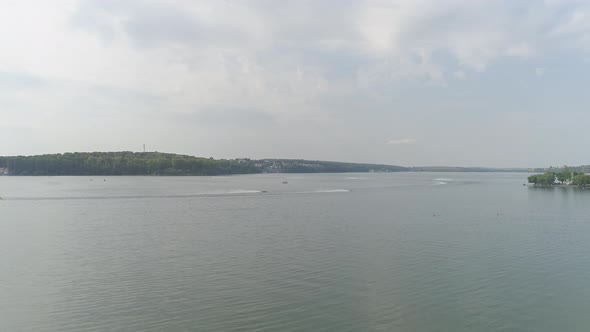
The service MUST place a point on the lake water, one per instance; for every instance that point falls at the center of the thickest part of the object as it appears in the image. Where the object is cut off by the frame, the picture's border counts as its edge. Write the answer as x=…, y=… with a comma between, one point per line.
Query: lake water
x=325, y=252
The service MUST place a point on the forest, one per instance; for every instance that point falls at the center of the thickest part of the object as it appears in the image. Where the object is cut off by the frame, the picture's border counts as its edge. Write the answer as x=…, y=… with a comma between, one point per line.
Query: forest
x=157, y=163
x=124, y=163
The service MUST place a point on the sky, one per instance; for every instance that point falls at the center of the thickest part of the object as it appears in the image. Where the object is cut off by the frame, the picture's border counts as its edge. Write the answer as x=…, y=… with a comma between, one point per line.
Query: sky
x=407, y=82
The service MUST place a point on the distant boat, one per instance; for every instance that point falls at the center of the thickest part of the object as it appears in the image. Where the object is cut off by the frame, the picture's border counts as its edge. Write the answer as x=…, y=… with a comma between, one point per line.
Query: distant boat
x=285, y=182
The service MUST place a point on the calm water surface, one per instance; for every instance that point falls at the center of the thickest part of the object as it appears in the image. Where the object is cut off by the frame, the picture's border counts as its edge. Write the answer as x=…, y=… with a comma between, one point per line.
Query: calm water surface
x=325, y=252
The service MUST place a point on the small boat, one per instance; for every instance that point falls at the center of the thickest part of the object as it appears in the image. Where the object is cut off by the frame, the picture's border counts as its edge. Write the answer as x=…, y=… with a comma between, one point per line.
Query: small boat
x=285, y=182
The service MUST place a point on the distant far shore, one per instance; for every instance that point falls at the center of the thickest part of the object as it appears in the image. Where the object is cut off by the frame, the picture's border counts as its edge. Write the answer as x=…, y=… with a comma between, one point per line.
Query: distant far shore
x=158, y=163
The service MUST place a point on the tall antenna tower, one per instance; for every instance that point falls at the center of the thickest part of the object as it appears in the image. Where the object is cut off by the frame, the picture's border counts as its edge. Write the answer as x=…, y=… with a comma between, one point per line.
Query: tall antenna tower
x=144, y=148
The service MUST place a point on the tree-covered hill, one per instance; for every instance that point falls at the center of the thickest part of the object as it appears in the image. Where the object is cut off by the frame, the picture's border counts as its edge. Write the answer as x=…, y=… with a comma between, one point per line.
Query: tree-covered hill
x=314, y=166
x=123, y=163
x=156, y=163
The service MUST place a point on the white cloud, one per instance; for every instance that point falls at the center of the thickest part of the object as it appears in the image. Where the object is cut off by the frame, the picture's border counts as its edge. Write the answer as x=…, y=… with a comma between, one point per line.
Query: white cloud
x=401, y=141
x=459, y=74
x=290, y=62
x=520, y=50
x=270, y=56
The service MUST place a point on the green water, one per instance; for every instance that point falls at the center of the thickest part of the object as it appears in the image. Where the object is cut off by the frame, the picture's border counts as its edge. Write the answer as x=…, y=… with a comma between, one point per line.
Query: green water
x=325, y=252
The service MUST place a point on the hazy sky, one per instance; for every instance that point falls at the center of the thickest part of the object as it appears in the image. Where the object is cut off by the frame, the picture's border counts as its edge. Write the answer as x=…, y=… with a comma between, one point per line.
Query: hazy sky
x=409, y=82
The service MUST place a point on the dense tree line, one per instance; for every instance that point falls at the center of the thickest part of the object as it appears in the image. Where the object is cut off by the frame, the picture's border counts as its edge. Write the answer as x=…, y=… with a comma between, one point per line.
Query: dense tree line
x=546, y=179
x=582, y=180
x=156, y=163
x=309, y=166
x=124, y=163
x=565, y=176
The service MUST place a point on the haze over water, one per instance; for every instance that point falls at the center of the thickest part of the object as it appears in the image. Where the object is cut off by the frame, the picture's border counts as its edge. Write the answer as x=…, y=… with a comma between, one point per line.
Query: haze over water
x=325, y=252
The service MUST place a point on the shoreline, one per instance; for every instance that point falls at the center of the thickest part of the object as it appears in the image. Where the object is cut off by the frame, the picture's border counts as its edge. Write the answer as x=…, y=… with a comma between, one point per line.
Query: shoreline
x=556, y=186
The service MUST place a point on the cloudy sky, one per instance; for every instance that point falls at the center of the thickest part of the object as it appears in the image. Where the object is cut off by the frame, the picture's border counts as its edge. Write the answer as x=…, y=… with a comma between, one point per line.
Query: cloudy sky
x=408, y=82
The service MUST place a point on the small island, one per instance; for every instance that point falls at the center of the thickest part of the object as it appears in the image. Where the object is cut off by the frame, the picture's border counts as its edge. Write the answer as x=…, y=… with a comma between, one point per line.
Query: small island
x=564, y=177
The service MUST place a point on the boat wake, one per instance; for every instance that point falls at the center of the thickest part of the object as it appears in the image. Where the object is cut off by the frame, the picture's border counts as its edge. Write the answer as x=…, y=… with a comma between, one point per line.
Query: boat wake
x=322, y=191
x=240, y=191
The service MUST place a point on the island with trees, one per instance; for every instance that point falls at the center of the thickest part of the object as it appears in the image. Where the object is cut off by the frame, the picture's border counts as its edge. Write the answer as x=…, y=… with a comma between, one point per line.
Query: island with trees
x=563, y=177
